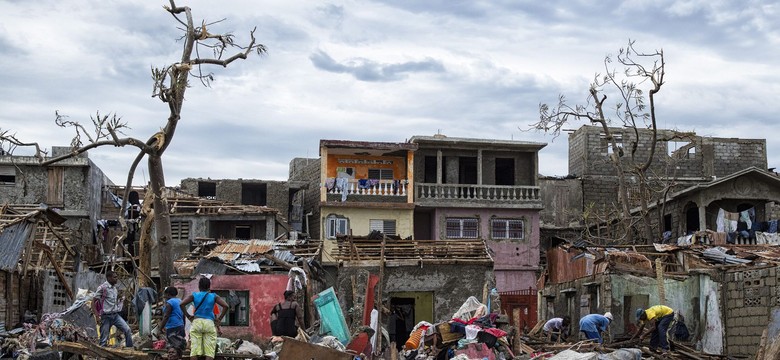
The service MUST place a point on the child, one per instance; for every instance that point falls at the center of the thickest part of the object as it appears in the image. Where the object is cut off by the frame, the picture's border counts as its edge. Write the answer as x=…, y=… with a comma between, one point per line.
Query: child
x=173, y=319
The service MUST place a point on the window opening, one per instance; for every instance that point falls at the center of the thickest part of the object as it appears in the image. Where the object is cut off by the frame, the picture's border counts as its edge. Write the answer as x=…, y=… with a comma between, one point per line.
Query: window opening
x=380, y=174
x=462, y=228
x=505, y=171
x=238, y=307
x=254, y=194
x=507, y=229
x=386, y=227
x=207, y=189
x=336, y=226
x=243, y=232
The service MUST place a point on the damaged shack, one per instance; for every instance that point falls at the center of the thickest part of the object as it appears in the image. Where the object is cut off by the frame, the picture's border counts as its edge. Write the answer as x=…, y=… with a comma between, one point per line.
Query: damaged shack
x=251, y=275
x=725, y=293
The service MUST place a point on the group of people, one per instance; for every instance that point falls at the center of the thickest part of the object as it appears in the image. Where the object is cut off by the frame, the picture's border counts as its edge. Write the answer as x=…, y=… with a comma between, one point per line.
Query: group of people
x=656, y=318
x=205, y=319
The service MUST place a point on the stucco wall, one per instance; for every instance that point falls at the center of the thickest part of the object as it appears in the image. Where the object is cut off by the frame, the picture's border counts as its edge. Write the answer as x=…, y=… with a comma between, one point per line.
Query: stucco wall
x=265, y=290
x=359, y=219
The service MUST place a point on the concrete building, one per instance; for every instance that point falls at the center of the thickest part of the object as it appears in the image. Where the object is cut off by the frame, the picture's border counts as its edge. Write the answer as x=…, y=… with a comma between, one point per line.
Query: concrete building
x=280, y=195
x=482, y=189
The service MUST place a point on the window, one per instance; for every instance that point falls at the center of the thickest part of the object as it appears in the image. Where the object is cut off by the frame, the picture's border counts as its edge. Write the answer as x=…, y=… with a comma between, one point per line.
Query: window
x=380, y=174
x=462, y=228
x=467, y=170
x=180, y=233
x=254, y=194
x=606, y=144
x=243, y=232
x=430, y=169
x=506, y=229
x=336, y=226
x=386, y=227
x=345, y=172
x=207, y=190
x=681, y=149
x=238, y=307
x=7, y=176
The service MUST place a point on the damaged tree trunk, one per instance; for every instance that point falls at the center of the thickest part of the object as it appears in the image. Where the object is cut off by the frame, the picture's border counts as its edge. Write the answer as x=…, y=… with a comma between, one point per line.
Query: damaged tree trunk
x=145, y=243
x=162, y=219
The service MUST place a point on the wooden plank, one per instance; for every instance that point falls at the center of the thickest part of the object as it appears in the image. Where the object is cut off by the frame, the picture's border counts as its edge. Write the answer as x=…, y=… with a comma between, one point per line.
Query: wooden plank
x=47, y=250
x=296, y=350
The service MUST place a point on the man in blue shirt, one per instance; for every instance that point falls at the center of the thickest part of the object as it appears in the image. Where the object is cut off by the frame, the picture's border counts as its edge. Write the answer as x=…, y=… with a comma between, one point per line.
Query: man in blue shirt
x=594, y=324
x=173, y=319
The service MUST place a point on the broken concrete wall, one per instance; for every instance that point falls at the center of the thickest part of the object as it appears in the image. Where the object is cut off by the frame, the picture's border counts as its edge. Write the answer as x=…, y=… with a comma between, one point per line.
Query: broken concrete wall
x=562, y=202
x=451, y=285
x=274, y=194
x=749, y=296
x=308, y=171
x=696, y=157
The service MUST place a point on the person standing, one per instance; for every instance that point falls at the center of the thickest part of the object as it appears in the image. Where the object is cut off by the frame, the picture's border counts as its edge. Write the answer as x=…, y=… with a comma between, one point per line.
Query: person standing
x=205, y=328
x=285, y=315
x=557, y=329
x=173, y=319
x=660, y=317
x=594, y=324
x=106, y=306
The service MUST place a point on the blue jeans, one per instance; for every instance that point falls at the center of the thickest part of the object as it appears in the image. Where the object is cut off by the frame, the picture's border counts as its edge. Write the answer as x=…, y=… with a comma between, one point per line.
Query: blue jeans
x=108, y=320
x=593, y=335
x=658, y=337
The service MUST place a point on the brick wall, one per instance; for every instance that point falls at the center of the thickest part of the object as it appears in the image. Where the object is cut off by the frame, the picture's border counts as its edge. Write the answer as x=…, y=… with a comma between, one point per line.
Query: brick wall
x=749, y=296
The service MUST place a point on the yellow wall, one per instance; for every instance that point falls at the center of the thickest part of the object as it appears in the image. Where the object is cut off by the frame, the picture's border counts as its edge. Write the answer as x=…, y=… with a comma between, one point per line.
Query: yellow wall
x=423, y=304
x=359, y=219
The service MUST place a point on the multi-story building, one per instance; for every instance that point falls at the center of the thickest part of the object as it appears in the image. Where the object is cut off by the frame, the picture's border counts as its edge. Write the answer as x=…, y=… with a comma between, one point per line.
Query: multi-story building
x=484, y=189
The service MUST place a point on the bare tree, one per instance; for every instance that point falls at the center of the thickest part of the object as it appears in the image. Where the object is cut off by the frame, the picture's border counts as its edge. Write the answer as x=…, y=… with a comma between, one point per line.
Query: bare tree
x=170, y=84
x=634, y=109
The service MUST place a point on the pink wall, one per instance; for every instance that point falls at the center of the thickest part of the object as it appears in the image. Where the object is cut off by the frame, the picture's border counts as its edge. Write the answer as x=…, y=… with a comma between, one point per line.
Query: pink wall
x=264, y=292
x=515, y=261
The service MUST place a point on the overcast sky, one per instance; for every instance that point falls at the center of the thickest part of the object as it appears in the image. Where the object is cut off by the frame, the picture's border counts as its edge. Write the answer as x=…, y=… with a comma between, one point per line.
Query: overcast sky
x=376, y=71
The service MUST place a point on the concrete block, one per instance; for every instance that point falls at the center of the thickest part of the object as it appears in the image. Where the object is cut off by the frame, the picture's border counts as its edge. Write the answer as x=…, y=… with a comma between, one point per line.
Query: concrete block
x=770, y=281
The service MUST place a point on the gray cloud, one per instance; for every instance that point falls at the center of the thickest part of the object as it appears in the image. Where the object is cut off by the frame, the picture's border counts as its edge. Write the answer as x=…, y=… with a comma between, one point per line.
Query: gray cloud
x=369, y=70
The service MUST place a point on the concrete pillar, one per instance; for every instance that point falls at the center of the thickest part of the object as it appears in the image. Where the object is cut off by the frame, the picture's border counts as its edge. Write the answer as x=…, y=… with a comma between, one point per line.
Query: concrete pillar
x=439, y=166
x=270, y=227
x=479, y=167
x=323, y=173
x=702, y=218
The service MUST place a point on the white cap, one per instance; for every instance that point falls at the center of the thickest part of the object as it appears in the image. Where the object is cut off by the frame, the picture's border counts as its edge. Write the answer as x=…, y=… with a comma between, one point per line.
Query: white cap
x=608, y=315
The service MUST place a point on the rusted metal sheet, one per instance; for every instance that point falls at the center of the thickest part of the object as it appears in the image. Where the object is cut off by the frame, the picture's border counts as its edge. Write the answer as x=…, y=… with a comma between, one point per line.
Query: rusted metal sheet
x=12, y=241
x=242, y=247
x=565, y=266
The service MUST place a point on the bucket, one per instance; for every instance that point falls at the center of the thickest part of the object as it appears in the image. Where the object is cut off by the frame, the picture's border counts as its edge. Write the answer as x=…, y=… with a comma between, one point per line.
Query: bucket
x=414, y=339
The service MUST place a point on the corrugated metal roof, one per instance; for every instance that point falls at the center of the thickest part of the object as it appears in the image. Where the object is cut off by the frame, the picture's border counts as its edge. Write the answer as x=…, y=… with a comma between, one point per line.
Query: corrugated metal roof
x=12, y=241
x=243, y=247
x=719, y=254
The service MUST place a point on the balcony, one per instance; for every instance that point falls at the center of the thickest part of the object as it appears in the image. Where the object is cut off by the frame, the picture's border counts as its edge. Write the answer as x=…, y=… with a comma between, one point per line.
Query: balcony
x=367, y=190
x=470, y=195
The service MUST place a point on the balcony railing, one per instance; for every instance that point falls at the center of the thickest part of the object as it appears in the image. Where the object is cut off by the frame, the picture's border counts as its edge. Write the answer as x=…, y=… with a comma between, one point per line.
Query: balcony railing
x=469, y=192
x=368, y=187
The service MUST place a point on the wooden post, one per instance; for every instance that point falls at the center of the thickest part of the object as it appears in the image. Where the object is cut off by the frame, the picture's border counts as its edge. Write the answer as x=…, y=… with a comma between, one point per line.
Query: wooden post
x=47, y=250
x=28, y=249
x=659, y=273
x=309, y=295
x=378, y=297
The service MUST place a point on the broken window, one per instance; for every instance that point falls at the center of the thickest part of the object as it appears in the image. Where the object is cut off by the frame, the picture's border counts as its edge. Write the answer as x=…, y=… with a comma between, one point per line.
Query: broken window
x=7, y=175
x=380, y=174
x=254, y=194
x=505, y=171
x=207, y=189
x=462, y=228
x=336, y=225
x=681, y=149
x=506, y=229
x=606, y=144
x=243, y=232
x=386, y=227
x=238, y=307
